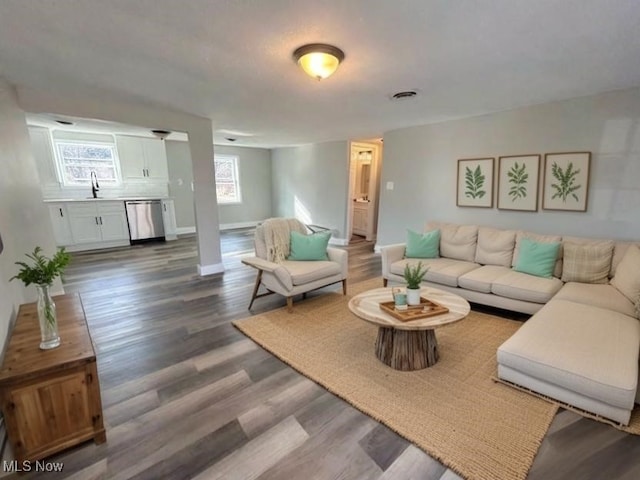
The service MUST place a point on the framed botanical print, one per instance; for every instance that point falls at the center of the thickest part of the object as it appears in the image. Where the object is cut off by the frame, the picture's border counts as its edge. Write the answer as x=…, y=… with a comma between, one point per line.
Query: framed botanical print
x=518, y=182
x=566, y=181
x=475, y=182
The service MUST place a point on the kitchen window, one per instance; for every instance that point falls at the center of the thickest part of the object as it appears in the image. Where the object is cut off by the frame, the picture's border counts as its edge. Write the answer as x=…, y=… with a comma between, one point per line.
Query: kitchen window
x=76, y=161
x=227, y=179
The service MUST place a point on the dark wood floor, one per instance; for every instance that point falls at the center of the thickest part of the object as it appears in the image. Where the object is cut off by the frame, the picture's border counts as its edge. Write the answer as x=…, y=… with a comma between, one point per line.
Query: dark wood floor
x=186, y=395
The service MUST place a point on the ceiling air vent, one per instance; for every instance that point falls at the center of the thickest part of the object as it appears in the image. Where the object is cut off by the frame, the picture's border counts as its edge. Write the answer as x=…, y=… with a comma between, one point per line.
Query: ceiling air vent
x=404, y=95
x=64, y=122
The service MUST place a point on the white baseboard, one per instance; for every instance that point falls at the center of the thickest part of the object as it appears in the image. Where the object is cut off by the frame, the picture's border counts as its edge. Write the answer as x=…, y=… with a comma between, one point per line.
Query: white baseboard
x=80, y=247
x=338, y=241
x=232, y=226
x=223, y=226
x=185, y=230
x=204, y=270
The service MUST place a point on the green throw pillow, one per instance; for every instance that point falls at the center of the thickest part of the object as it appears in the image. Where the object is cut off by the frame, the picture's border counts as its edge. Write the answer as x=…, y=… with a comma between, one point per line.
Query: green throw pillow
x=537, y=258
x=423, y=246
x=309, y=247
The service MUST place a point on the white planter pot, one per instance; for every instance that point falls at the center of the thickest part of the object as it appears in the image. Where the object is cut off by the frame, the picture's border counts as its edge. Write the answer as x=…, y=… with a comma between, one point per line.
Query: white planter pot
x=413, y=296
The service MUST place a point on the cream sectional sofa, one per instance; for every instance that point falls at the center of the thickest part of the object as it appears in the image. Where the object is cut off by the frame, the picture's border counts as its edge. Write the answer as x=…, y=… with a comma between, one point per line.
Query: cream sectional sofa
x=582, y=344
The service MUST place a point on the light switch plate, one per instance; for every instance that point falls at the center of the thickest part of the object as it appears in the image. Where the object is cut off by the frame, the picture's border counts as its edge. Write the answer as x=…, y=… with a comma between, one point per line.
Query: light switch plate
x=389, y=185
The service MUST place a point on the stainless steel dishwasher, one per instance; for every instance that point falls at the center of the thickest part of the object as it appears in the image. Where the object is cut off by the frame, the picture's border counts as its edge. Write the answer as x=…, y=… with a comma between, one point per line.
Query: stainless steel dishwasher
x=145, y=220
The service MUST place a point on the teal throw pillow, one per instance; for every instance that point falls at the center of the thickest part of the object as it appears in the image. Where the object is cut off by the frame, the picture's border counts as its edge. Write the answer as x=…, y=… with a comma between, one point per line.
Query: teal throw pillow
x=423, y=245
x=537, y=258
x=309, y=247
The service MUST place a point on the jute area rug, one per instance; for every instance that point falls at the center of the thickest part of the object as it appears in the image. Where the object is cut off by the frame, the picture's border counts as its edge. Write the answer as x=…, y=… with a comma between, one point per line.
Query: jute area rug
x=453, y=411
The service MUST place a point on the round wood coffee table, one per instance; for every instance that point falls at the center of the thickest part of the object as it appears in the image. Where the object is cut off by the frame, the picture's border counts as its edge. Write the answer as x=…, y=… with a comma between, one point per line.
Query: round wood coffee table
x=407, y=345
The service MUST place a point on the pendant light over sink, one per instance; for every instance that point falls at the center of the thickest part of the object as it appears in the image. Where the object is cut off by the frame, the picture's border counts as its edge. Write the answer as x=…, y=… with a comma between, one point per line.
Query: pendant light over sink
x=318, y=60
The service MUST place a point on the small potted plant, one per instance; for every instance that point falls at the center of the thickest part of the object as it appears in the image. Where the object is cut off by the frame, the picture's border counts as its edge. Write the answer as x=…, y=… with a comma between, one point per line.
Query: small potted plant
x=42, y=271
x=414, y=276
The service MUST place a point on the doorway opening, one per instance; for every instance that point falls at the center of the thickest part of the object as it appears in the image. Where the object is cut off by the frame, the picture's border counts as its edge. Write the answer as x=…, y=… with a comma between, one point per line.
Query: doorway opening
x=365, y=162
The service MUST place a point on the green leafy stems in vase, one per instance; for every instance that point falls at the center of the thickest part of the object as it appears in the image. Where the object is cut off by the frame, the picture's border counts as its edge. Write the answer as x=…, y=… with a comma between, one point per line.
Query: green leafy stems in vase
x=414, y=275
x=42, y=271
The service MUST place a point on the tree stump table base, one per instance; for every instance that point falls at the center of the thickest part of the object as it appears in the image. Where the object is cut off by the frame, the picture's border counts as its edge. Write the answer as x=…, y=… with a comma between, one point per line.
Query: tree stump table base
x=407, y=350
x=409, y=345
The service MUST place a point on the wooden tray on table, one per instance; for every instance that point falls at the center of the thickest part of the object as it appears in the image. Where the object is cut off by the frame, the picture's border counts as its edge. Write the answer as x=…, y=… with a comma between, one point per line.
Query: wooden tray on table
x=427, y=308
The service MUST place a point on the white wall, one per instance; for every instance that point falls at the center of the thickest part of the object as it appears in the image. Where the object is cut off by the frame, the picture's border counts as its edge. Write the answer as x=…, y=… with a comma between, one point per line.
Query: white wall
x=180, y=178
x=311, y=182
x=422, y=161
x=254, y=169
x=24, y=221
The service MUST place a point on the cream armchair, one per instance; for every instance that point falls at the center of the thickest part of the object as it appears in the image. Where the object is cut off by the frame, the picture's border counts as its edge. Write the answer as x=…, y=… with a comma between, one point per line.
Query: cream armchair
x=292, y=277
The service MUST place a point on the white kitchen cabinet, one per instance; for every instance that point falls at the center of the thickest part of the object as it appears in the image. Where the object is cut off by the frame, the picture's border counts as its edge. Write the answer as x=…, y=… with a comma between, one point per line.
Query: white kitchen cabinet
x=43, y=154
x=131, y=155
x=60, y=224
x=155, y=156
x=113, y=221
x=98, y=222
x=142, y=159
x=85, y=226
x=169, y=219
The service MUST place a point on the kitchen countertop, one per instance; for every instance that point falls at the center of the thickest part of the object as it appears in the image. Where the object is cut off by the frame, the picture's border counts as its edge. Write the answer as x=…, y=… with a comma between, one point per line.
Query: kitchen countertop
x=103, y=199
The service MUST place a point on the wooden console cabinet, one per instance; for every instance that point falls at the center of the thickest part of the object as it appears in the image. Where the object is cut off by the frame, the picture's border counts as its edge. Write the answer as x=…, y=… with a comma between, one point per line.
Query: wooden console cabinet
x=51, y=398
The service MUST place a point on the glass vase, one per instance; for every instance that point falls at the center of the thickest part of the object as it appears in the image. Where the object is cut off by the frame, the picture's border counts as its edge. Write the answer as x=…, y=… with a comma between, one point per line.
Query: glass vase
x=49, y=337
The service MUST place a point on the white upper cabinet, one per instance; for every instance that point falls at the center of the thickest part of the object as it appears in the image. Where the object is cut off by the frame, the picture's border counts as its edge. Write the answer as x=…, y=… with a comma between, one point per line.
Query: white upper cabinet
x=131, y=155
x=155, y=156
x=142, y=159
x=43, y=153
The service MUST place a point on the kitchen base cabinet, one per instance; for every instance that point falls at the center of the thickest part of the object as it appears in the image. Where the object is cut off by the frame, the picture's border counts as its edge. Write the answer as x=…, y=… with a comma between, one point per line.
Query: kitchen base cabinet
x=169, y=219
x=51, y=398
x=85, y=225
x=80, y=225
x=60, y=223
x=98, y=225
x=113, y=221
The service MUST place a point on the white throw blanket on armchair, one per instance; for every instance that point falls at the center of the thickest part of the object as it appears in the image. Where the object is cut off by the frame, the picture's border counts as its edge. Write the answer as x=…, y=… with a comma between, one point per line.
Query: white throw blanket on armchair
x=277, y=233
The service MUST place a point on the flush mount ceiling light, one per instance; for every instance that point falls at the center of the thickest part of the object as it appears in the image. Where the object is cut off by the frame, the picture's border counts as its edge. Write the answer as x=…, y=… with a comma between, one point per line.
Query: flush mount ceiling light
x=318, y=60
x=403, y=95
x=161, y=134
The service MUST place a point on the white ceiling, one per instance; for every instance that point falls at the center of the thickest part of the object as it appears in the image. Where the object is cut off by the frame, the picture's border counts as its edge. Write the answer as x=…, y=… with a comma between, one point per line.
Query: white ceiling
x=230, y=60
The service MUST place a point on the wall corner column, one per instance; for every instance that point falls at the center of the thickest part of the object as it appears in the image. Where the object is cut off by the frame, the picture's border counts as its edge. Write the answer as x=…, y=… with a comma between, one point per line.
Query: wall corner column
x=206, y=203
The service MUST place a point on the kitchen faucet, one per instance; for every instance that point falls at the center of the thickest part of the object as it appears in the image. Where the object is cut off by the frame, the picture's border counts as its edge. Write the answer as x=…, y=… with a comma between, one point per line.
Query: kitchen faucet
x=95, y=187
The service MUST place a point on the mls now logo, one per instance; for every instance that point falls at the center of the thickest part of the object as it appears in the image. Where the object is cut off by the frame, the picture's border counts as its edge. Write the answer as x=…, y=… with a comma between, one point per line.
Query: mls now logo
x=29, y=466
